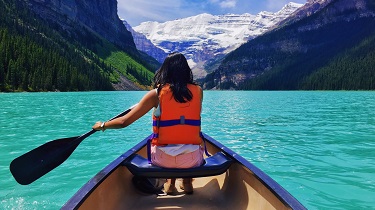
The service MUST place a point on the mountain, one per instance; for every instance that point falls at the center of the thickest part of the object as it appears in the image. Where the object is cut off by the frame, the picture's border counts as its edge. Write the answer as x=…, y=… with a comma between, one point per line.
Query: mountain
x=325, y=45
x=68, y=46
x=145, y=45
x=205, y=38
x=309, y=8
x=100, y=17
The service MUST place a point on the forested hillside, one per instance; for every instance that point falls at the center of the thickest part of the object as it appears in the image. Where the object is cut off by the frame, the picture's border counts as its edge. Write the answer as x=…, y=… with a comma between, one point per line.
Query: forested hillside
x=353, y=69
x=343, y=60
x=333, y=49
x=37, y=55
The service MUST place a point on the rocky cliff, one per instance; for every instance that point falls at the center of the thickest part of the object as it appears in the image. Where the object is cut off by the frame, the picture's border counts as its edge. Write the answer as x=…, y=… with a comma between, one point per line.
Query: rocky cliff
x=145, y=45
x=99, y=16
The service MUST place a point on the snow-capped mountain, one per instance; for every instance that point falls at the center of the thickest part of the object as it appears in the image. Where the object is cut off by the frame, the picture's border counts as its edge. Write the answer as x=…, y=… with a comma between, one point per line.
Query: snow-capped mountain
x=206, y=37
x=145, y=45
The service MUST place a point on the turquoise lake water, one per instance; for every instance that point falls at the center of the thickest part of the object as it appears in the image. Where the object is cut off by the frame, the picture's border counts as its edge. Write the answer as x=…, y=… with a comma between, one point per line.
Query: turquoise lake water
x=320, y=146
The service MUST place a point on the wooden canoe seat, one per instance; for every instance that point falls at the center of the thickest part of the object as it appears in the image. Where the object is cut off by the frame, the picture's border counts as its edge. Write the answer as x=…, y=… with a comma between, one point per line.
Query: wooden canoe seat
x=214, y=165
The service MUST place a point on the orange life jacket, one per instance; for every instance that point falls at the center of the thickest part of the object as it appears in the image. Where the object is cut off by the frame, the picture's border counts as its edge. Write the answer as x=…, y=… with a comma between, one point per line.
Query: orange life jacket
x=178, y=123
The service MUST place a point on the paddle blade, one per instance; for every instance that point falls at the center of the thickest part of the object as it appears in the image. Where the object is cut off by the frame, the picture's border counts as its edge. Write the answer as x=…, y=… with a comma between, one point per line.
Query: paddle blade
x=34, y=164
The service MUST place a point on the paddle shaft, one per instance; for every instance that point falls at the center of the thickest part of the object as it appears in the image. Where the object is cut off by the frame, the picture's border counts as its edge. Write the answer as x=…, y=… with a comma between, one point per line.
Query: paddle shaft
x=34, y=164
x=117, y=116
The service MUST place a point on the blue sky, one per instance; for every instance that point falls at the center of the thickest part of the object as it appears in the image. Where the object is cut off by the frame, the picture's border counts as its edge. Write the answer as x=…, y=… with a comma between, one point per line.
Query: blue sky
x=137, y=11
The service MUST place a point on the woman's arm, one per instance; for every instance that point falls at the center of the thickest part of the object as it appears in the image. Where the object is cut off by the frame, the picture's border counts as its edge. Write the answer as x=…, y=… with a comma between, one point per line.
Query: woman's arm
x=148, y=101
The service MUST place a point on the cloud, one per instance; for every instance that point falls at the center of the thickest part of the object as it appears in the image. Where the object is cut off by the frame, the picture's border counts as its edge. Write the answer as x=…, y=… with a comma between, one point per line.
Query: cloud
x=224, y=4
x=135, y=11
x=228, y=4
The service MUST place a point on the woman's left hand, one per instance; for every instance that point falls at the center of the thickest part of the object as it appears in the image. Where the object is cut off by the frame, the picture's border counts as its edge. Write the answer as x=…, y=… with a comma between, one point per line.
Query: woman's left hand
x=97, y=126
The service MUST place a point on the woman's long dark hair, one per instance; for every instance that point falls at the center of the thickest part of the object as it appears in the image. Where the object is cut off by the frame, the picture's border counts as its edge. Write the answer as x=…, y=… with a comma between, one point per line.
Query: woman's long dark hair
x=176, y=72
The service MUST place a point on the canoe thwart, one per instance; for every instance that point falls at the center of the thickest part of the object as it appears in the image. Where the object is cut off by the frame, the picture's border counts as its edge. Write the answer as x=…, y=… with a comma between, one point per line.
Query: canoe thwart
x=213, y=165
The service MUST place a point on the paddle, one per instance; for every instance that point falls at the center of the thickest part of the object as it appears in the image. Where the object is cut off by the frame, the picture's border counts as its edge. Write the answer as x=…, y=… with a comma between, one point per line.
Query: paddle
x=34, y=164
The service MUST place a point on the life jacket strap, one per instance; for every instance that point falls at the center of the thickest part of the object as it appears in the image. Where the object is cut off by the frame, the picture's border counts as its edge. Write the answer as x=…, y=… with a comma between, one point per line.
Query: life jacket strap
x=181, y=121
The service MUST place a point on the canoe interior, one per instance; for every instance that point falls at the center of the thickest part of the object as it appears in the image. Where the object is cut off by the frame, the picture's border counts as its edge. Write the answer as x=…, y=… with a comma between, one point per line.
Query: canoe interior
x=237, y=188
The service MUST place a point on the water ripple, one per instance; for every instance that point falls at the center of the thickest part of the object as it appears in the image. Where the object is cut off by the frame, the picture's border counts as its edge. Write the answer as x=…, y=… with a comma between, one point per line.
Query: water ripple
x=317, y=145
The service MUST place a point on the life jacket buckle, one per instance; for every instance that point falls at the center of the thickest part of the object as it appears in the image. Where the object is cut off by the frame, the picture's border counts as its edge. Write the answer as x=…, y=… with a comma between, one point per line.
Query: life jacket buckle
x=182, y=120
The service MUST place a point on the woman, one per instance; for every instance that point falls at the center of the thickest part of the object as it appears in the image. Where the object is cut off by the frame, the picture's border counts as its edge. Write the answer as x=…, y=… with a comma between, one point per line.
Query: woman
x=177, y=103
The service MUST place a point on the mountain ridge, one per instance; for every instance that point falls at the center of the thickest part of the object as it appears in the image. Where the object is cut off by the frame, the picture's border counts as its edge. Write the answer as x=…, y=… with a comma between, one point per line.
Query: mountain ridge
x=286, y=58
x=204, y=38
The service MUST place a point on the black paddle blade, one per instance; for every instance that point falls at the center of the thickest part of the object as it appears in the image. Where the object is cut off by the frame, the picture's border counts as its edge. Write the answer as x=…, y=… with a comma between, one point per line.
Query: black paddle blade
x=34, y=164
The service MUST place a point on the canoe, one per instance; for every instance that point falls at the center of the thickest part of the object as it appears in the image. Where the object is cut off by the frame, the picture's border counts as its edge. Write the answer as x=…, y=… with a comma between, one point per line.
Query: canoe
x=225, y=181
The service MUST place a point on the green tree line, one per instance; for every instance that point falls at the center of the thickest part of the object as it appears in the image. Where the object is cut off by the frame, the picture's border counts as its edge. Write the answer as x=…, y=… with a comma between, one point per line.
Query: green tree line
x=28, y=66
x=353, y=69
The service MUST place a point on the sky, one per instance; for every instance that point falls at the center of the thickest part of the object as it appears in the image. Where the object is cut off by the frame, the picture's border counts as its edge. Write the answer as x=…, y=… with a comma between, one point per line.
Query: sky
x=137, y=11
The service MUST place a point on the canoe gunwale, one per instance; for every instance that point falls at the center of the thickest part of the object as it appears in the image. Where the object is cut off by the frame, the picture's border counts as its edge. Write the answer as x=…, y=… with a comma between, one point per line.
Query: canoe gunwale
x=81, y=195
x=271, y=184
